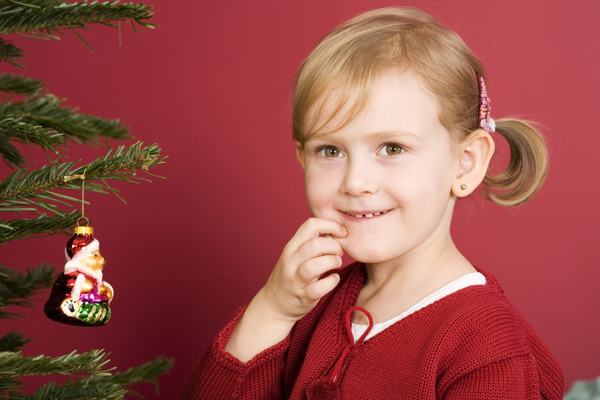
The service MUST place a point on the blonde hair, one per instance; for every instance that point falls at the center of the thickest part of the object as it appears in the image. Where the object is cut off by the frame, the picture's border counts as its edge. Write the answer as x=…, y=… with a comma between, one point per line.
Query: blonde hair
x=343, y=66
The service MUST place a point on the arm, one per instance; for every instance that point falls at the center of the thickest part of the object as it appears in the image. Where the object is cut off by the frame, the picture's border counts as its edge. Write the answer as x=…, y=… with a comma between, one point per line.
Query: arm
x=246, y=360
x=513, y=378
x=293, y=289
x=219, y=375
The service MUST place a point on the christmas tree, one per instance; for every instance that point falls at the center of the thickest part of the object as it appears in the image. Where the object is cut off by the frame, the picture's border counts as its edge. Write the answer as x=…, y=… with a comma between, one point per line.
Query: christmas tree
x=40, y=202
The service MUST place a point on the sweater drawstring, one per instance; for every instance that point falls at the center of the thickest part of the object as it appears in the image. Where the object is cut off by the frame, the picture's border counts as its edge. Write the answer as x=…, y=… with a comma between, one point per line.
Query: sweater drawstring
x=339, y=365
x=328, y=387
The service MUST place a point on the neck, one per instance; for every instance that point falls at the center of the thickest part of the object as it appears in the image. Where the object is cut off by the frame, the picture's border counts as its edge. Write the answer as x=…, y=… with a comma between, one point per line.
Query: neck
x=394, y=286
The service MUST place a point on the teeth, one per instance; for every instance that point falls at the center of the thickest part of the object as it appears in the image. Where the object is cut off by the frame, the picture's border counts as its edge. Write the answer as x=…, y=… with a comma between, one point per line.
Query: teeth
x=370, y=215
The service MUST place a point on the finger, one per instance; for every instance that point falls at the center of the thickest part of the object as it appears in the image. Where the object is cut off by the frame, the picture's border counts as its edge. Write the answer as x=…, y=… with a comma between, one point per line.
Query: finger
x=316, y=247
x=310, y=270
x=315, y=227
x=315, y=291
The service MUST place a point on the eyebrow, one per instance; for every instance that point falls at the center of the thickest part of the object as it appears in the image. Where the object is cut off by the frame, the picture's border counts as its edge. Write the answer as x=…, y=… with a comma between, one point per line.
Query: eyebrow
x=381, y=135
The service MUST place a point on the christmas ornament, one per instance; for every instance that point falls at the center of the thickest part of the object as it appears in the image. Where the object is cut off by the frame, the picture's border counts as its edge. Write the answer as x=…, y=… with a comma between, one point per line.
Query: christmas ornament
x=80, y=296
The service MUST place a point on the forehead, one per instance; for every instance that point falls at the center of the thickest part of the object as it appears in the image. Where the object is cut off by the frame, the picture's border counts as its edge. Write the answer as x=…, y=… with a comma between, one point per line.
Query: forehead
x=395, y=101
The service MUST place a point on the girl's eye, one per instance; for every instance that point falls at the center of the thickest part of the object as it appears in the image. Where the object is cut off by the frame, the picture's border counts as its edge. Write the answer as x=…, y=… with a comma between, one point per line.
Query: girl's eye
x=391, y=149
x=329, y=152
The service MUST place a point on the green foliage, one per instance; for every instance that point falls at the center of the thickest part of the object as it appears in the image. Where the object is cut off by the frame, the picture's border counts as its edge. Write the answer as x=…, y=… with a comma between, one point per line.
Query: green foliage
x=16, y=286
x=44, y=121
x=14, y=364
x=27, y=228
x=48, y=17
x=36, y=191
x=31, y=116
x=10, y=53
x=47, y=111
x=101, y=382
x=16, y=129
x=13, y=341
x=104, y=385
x=21, y=85
x=39, y=199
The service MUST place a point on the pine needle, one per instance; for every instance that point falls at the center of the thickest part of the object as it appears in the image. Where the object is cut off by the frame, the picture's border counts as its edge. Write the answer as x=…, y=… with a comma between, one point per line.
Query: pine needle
x=16, y=286
x=10, y=53
x=13, y=341
x=20, y=85
x=48, y=17
x=26, y=228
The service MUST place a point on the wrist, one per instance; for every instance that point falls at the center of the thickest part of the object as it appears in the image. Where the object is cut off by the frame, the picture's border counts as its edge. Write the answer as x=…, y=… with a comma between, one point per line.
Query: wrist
x=263, y=309
x=259, y=328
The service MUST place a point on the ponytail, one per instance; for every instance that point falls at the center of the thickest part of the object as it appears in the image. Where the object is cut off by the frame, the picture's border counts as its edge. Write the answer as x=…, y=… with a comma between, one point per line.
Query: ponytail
x=527, y=168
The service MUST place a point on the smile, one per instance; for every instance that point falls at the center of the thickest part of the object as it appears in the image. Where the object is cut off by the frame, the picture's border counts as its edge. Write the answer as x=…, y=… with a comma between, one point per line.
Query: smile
x=366, y=215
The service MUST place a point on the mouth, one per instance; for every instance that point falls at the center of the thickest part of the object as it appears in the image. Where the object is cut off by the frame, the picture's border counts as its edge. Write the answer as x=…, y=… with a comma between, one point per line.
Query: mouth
x=365, y=214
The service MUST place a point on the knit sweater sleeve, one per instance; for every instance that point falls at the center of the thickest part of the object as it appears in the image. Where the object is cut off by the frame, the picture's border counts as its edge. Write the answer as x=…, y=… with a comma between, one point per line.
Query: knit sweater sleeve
x=219, y=375
x=506, y=379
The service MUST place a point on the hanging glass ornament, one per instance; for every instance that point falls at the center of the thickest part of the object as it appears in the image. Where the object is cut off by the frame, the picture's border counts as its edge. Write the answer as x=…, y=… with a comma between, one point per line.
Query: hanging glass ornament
x=80, y=296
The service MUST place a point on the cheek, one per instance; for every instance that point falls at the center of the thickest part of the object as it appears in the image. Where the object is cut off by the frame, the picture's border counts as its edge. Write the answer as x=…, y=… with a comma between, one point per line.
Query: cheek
x=320, y=192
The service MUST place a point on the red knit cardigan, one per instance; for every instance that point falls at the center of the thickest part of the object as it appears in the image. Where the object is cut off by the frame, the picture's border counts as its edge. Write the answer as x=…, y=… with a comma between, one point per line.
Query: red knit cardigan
x=471, y=344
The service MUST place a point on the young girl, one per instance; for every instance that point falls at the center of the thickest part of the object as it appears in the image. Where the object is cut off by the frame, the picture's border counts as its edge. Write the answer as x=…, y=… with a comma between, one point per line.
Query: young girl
x=392, y=124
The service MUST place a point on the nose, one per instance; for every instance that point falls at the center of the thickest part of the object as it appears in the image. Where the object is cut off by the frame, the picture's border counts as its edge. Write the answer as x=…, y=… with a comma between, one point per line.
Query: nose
x=360, y=178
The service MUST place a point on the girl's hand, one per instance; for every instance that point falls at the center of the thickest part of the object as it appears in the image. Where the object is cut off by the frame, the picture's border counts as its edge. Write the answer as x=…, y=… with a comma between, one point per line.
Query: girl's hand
x=295, y=287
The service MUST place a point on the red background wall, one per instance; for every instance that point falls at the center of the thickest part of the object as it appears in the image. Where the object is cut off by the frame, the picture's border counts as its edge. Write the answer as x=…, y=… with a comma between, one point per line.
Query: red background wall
x=211, y=85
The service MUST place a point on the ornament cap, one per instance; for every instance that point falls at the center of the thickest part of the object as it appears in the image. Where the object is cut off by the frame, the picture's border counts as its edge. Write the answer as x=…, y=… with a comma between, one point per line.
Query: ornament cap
x=83, y=230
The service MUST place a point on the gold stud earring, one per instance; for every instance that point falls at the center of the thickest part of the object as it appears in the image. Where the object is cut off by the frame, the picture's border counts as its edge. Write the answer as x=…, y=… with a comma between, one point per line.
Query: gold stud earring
x=463, y=186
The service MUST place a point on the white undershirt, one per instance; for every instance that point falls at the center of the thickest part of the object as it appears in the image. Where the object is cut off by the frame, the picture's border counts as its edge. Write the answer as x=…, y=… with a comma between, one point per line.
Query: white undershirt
x=470, y=279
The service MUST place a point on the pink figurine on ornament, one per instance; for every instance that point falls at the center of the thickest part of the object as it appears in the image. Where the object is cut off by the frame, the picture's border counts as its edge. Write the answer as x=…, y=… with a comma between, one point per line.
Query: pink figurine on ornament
x=79, y=295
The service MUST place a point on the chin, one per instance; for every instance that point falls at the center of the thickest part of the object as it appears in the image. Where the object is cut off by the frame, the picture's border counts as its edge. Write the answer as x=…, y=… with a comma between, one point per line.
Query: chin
x=365, y=252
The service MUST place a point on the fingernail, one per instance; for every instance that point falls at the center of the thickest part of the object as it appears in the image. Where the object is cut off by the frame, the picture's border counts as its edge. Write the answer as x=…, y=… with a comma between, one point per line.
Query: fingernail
x=339, y=260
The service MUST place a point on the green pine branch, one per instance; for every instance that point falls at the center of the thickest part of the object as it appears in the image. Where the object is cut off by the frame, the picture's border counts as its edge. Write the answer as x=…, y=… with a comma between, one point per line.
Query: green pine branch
x=10, y=53
x=20, y=85
x=16, y=129
x=90, y=362
x=13, y=341
x=105, y=387
x=101, y=385
x=13, y=366
x=17, y=286
x=48, y=113
x=45, y=18
x=25, y=228
x=9, y=153
x=122, y=165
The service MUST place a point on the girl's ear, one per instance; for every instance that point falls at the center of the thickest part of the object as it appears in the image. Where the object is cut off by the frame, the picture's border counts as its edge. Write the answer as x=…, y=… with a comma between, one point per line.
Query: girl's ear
x=300, y=154
x=475, y=153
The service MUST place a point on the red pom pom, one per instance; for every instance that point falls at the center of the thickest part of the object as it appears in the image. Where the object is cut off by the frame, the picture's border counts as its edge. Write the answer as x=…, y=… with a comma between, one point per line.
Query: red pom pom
x=323, y=389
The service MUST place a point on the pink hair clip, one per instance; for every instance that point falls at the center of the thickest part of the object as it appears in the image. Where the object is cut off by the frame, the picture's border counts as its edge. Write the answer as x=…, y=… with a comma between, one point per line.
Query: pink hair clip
x=485, y=121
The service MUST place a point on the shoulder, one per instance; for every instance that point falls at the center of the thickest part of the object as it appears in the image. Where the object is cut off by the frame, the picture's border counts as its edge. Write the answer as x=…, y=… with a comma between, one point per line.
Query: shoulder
x=482, y=331
x=479, y=325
